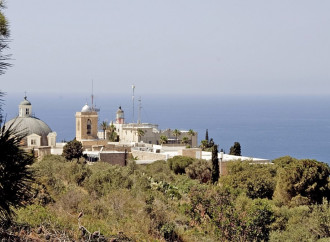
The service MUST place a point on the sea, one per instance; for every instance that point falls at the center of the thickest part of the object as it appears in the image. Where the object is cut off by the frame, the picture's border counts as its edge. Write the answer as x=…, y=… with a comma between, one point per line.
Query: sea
x=265, y=126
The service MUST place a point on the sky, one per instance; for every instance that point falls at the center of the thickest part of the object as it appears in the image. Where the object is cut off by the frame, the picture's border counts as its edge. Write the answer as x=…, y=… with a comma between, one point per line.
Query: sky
x=185, y=47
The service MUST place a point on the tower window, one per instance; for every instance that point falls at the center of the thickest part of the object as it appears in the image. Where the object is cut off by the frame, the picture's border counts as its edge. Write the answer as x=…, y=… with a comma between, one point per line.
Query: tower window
x=27, y=111
x=89, y=126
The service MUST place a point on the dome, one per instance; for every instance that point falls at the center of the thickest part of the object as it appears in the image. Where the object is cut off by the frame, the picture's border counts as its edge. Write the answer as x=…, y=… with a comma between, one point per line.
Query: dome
x=30, y=125
x=86, y=109
x=25, y=102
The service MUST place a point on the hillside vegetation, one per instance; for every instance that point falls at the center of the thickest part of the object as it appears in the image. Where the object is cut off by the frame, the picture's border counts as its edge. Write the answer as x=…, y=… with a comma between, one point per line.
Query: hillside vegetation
x=175, y=201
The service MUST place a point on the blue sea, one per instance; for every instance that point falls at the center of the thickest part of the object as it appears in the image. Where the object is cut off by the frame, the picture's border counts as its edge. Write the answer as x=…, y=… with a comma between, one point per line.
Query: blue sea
x=265, y=126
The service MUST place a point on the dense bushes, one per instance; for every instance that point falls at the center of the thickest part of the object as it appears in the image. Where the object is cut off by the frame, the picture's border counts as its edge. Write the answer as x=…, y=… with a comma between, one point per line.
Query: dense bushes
x=178, y=164
x=257, y=181
x=200, y=170
x=152, y=202
x=301, y=182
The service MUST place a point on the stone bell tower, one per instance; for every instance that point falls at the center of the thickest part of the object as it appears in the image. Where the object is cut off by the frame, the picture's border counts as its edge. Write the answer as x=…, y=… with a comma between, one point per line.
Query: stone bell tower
x=86, y=124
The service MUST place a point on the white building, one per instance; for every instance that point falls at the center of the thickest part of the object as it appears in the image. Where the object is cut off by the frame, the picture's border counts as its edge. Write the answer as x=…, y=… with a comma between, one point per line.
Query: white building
x=149, y=133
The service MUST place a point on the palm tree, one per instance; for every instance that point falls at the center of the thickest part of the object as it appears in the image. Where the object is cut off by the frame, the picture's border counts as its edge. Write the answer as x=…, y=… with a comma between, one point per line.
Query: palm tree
x=112, y=133
x=4, y=39
x=191, y=133
x=16, y=176
x=104, y=126
x=204, y=144
x=176, y=133
x=140, y=133
x=185, y=140
x=162, y=139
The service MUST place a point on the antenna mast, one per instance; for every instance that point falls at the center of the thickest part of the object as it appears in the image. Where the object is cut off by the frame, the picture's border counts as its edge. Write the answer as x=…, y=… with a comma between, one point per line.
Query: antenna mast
x=140, y=107
x=133, y=87
x=92, y=96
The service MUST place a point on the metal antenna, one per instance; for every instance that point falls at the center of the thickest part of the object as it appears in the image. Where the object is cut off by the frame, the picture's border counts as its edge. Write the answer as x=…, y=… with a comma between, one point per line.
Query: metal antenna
x=139, y=118
x=92, y=95
x=133, y=87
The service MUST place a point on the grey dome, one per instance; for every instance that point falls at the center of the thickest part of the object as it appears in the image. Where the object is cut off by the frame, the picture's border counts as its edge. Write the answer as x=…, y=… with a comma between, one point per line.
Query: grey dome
x=86, y=109
x=31, y=125
x=25, y=102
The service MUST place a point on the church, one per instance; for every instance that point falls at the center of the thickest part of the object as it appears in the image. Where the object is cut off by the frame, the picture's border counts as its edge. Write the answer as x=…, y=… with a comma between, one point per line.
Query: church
x=38, y=133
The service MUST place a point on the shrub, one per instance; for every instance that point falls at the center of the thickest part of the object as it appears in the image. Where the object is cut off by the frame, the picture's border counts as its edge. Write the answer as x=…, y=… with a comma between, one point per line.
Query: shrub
x=200, y=170
x=302, y=182
x=257, y=181
x=178, y=164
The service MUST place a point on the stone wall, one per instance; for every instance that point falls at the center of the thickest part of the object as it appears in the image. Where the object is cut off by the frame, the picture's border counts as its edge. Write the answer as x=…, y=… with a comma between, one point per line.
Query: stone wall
x=193, y=153
x=88, y=144
x=144, y=155
x=114, y=158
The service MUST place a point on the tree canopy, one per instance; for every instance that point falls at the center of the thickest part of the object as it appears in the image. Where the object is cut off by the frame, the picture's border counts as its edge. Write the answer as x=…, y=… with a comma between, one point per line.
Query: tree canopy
x=215, y=164
x=73, y=149
x=4, y=35
x=235, y=149
x=301, y=181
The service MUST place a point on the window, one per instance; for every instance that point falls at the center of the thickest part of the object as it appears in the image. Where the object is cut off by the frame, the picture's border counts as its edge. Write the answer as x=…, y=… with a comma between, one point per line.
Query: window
x=33, y=142
x=89, y=126
x=26, y=111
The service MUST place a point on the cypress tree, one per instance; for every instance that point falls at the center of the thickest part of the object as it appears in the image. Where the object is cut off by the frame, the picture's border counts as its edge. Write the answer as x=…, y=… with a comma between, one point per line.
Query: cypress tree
x=207, y=136
x=215, y=164
x=235, y=149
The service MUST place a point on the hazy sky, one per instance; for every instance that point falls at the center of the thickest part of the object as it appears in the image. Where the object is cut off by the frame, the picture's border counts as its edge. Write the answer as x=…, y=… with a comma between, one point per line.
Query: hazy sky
x=169, y=47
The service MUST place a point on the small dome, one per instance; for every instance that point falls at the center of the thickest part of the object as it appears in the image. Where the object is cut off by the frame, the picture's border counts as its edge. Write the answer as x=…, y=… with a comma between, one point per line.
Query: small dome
x=86, y=109
x=25, y=102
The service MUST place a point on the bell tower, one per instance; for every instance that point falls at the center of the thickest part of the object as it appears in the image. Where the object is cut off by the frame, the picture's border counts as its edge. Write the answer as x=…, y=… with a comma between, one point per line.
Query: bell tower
x=25, y=108
x=86, y=124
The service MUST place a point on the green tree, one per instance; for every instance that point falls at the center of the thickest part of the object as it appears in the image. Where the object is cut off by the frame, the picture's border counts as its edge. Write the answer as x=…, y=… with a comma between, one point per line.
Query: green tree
x=235, y=149
x=302, y=182
x=73, y=149
x=255, y=180
x=207, y=136
x=4, y=35
x=242, y=219
x=185, y=140
x=178, y=163
x=163, y=139
x=200, y=170
x=204, y=144
x=113, y=136
x=104, y=126
x=176, y=133
x=191, y=133
x=140, y=133
x=16, y=176
x=215, y=164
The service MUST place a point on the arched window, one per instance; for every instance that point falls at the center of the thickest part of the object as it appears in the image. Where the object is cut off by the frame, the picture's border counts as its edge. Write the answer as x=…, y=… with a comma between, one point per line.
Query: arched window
x=89, y=126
